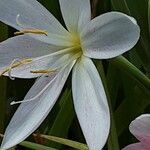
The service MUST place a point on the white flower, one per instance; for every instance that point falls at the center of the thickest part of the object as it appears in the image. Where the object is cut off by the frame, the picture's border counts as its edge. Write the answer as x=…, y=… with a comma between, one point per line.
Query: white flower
x=46, y=47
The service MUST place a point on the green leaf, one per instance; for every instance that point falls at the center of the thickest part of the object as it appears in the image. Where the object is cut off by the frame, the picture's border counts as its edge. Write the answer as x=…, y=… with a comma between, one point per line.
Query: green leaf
x=64, y=117
x=123, y=64
x=35, y=146
x=113, y=143
x=66, y=142
x=3, y=83
x=120, y=5
x=113, y=83
x=132, y=106
x=149, y=15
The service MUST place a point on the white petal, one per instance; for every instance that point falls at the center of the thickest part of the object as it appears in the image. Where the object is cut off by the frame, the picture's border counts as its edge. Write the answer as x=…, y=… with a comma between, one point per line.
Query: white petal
x=137, y=146
x=90, y=103
x=30, y=115
x=76, y=14
x=109, y=35
x=22, y=47
x=52, y=62
x=29, y=14
x=140, y=128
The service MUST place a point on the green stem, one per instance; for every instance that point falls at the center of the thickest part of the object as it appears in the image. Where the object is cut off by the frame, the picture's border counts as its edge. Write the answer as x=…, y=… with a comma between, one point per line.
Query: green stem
x=2, y=103
x=113, y=143
x=123, y=64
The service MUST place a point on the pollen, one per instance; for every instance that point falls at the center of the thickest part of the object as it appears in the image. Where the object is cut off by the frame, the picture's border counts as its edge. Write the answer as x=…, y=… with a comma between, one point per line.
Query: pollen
x=34, y=31
x=43, y=71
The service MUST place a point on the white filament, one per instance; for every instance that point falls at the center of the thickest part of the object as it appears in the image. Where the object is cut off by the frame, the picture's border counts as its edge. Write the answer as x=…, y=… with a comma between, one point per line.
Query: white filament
x=10, y=68
x=17, y=20
x=34, y=98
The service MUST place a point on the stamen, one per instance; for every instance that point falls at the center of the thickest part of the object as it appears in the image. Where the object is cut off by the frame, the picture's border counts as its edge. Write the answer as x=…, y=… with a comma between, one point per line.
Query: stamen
x=35, y=97
x=14, y=64
x=43, y=71
x=10, y=68
x=34, y=31
x=17, y=20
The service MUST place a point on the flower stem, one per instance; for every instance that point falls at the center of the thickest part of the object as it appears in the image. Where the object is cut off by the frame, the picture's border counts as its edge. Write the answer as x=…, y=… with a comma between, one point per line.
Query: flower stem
x=123, y=64
x=3, y=87
x=113, y=143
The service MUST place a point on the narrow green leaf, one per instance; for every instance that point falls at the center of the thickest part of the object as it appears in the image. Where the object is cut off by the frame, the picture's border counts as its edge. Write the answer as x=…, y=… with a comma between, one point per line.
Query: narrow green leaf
x=66, y=142
x=113, y=143
x=35, y=146
x=120, y=5
x=3, y=83
x=149, y=15
x=123, y=64
x=113, y=83
x=130, y=108
x=64, y=117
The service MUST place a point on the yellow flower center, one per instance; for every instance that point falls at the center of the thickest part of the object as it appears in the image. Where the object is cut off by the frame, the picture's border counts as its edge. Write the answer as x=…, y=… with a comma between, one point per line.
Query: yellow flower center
x=76, y=43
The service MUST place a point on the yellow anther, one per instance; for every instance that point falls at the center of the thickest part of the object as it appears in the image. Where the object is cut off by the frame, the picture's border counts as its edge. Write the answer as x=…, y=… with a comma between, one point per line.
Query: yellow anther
x=34, y=31
x=15, y=65
x=43, y=71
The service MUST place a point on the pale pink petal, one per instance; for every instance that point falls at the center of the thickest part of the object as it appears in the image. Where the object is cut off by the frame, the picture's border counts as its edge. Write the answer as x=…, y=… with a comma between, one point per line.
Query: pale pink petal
x=137, y=146
x=140, y=128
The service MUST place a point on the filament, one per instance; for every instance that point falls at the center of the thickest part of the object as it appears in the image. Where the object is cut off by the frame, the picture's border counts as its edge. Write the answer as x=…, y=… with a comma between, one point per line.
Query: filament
x=33, y=98
x=34, y=31
x=14, y=64
x=17, y=20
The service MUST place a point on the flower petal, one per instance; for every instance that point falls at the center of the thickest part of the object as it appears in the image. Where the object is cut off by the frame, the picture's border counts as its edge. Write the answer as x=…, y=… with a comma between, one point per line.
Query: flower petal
x=137, y=146
x=90, y=103
x=76, y=14
x=109, y=35
x=23, y=47
x=29, y=14
x=30, y=115
x=45, y=56
x=48, y=62
x=140, y=128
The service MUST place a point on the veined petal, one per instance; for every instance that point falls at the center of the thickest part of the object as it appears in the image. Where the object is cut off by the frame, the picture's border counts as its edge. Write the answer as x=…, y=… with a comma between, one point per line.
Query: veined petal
x=53, y=63
x=137, y=146
x=30, y=115
x=140, y=128
x=29, y=14
x=90, y=103
x=76, y=14
x=24, y=46
x=109, y=35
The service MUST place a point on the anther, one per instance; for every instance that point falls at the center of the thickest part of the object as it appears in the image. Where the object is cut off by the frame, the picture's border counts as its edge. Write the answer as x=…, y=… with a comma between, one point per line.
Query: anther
x=34, y=31
x=43, y=71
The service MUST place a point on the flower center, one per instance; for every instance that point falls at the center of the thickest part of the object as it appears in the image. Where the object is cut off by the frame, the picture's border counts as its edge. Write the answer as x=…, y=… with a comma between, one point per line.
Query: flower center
x=76, y=43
